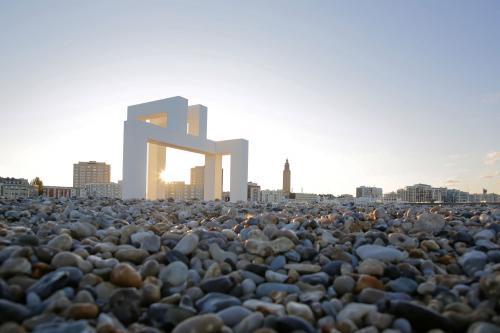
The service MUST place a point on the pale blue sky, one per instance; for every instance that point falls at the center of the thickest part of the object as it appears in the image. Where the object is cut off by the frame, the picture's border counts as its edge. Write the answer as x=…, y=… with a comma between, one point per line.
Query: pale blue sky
x=386, y=93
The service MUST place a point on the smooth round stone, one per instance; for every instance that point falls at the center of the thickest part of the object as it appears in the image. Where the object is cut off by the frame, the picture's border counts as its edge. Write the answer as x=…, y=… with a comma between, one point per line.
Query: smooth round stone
x=62, y=242
x=125, y=305
x=268, y=248
x=300, y=310
x=368, y=281
x=75, y=275
x=266, y=307
x=10, y=311
x=220, y=255
x=344, y=284
x=150, y=293
x=265, y=289
x=221, y=284
x=82, y=230
x=124, y=275
x=175, y=273
x=214, y=302
x=150, y=268
x=187, y=244
x=304, y=268
x=278, y=263
x=316, y=278
x=168, y=315
x=206, y=323
x=257, y=269
x=355, y=312
x=473, y=261
x=83, y=311
x=146, y=240
x=382, y=253
x=483, y=327
x=426, y=288
x=132, y=255
x=49, y=283
x=250, y=323
x=293, y=324
x=429, y=245
x=80, y=326
x=65, y=258
x=403, y=285
x=104, y=290
x=402, y=325
x=233, y=315
x=248, y=286
x=430, y=223
x=401, y=240
x=275, y=277
x=371, y=295
x=84, y=296
x=14, y=266
x=332, y=268
x=293, y=256
x=371, y=267
x=485, y=234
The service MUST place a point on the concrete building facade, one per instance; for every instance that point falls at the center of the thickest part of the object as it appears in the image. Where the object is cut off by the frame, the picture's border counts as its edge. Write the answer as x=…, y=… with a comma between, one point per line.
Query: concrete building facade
x=253, y=192
x=369, y=192
x=104, y=190
x=153, y=126
x=91, y=172
x=13, y=188
x=306, y=197
x=272, y=196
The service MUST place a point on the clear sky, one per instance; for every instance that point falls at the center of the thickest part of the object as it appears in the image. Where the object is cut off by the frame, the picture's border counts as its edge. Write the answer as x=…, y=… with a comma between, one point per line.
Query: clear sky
x=386, y=93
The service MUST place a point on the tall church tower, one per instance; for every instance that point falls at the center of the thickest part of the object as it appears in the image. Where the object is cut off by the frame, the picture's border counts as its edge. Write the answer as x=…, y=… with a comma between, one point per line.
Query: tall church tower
x=286, y=179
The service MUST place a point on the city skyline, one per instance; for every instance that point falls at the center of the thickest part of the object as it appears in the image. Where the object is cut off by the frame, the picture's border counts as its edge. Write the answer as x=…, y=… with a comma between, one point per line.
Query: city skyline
x=347, y=99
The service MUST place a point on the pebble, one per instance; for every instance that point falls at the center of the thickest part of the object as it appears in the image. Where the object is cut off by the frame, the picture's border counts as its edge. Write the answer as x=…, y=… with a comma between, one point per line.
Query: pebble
x=473, y=261
x=124, y=275
x=344, y=284
x=378, y=252
x=206, y=323
x=431, y=223
x=300, y=310
x=174, y=273
x=187, y=244
x=106, y=265
x=233, y=315
x=62, y=242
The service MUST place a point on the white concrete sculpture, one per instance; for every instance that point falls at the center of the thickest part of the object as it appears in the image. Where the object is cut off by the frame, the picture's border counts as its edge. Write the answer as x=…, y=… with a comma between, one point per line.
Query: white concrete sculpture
x=153, y=126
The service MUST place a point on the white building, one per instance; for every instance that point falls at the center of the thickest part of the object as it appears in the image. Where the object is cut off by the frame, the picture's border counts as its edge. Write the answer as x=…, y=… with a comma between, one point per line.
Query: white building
x=272, y=196
x=306, y=197
x=151, y=127
x=104, y=190
x=369, y=192
x=12, y=188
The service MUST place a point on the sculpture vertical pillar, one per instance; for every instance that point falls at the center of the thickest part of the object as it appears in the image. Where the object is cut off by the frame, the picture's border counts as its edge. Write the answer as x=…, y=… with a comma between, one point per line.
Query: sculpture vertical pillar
x=135, y=161
x=239, y=173
x=212, y=187
x=156, y=164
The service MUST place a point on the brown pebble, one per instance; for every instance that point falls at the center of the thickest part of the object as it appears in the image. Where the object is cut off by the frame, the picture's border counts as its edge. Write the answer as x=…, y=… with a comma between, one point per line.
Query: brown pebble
x=367, y=281
x=124, y=275
x=83, y=311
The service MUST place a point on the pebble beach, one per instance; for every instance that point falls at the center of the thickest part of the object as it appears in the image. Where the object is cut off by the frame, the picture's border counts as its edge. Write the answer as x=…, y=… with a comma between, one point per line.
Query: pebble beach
x=109, y=265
